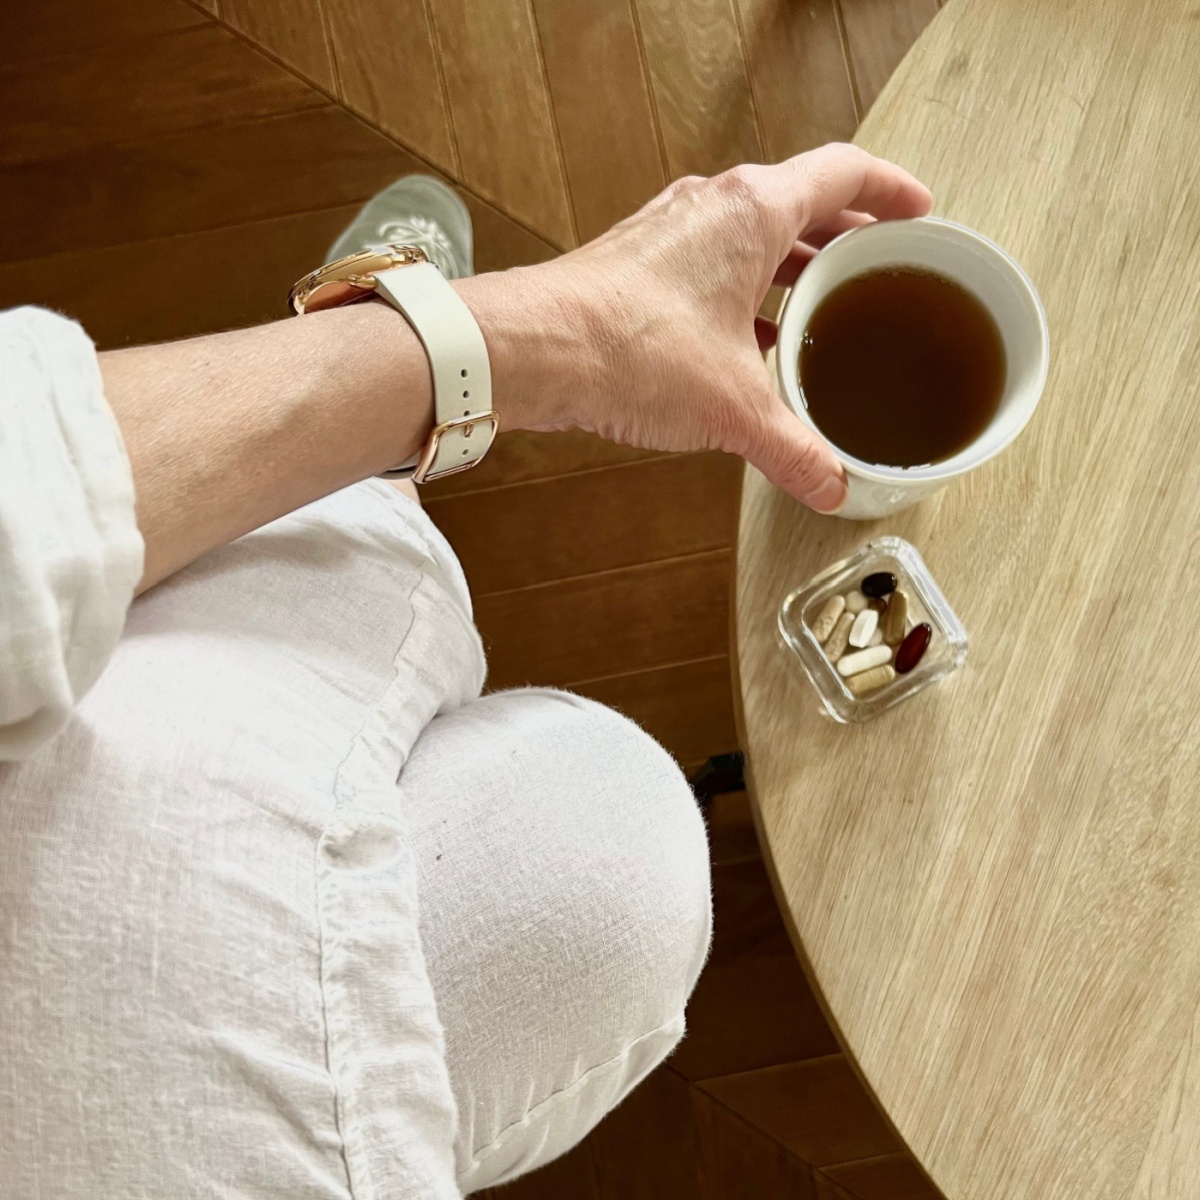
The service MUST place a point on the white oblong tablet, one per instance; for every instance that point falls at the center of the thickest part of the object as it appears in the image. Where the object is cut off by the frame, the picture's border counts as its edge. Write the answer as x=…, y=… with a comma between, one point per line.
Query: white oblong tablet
x=863, y=627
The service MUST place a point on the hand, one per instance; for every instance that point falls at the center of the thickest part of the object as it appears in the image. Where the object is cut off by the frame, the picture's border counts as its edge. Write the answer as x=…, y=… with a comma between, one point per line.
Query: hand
x=667, y=353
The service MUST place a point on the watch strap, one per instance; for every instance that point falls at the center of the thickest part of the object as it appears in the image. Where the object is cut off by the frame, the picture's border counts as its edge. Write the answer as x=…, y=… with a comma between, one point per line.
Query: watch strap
x=464, y=421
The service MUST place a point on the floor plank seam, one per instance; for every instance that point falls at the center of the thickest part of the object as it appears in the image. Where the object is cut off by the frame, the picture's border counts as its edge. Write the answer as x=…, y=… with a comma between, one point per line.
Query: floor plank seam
x=560, y=154
x=657, y=562
x=370, y=124
x=168, y=237
x=683, y=662
x=737, y=1116
x=518, y=483
x=759, y=133
x=739, y=860
x=276, y=216
x=120, y=143
x=847, y=59
x=772, y=1067
x=652, y=98
x=443, y=86
x=266, y=52
x=152, y=36
x=839, y=1189
x=335, y=68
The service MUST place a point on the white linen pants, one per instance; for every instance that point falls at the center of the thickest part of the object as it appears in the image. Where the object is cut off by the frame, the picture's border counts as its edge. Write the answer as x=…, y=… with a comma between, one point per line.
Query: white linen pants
x=290, y=911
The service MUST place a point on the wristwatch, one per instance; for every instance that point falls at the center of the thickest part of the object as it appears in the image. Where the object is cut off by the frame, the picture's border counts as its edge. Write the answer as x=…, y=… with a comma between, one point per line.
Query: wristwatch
x=465, y=424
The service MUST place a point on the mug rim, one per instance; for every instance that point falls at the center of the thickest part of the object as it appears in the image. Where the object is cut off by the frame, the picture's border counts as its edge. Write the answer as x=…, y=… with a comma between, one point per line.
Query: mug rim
x=789, y=380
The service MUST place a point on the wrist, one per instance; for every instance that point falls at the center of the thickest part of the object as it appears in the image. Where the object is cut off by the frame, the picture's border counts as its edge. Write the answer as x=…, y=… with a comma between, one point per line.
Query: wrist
x=544, y=358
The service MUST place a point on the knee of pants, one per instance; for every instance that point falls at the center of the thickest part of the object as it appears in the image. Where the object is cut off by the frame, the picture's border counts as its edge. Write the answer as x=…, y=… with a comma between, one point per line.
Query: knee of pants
x=565, y=913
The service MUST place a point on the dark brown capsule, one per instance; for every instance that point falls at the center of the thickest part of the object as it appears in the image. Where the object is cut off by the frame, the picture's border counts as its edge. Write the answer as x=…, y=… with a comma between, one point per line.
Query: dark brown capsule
x=913, y=648
x=880, y=583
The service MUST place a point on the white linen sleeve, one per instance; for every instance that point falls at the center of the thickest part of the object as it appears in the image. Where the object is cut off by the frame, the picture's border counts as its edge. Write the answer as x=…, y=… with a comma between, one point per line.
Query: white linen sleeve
x=70, y=551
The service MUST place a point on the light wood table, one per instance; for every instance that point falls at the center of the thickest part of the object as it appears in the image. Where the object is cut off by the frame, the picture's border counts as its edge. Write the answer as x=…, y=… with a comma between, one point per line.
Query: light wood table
x=997, y=885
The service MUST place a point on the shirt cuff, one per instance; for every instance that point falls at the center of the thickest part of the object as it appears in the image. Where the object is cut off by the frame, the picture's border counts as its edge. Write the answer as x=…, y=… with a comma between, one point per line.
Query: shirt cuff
x=70, y=551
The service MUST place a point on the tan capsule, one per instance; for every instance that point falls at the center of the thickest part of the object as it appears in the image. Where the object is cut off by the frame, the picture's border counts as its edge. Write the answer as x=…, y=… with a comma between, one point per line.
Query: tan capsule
x=864, y=626
x=855, y=602
x=827, y=618
x=872, y=680
x=835, y=647
x=895, y=620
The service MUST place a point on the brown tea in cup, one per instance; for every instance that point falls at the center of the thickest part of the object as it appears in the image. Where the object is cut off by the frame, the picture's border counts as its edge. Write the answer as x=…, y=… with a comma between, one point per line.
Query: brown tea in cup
x=901, y=367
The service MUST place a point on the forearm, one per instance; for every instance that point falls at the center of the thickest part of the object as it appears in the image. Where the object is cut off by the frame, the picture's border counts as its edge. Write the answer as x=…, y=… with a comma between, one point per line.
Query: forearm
x=646, y=335
x=228, y=432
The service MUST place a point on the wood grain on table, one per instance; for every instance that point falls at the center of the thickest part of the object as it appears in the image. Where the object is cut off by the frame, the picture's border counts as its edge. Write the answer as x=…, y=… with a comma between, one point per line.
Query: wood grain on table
x=997, y=885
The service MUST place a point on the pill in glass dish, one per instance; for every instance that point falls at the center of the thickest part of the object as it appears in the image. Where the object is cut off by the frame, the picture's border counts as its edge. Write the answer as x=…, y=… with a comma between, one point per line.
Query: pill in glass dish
x=827, y=618
x=895, y=620
x=878, y=603
x=876, y=637
x=835, y=646
x=864, y=626
x=913, y=648
x=863, y=660
x=855, y=602
x=872, y=680
x=878, y=584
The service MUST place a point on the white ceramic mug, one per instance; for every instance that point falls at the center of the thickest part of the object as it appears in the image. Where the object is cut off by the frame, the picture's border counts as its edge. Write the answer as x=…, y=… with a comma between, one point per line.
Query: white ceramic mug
x=980, y=266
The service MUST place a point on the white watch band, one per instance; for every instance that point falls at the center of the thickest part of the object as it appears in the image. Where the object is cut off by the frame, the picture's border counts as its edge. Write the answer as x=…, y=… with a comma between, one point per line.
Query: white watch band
x=464, y=421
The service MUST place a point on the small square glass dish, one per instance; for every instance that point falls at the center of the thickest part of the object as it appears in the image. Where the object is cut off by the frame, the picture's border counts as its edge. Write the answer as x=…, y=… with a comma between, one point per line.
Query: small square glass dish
x=816, y=619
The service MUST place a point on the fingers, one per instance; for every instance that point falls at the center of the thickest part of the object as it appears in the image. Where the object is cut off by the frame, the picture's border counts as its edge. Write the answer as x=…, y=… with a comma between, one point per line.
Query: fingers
x=810, y=191
x=821, y=234
x=824, y=182
x=798, y=460
x=815, y=196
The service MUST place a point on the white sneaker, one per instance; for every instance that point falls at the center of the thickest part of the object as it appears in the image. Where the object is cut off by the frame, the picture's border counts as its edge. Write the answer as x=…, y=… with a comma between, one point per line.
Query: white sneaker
x=417, y=210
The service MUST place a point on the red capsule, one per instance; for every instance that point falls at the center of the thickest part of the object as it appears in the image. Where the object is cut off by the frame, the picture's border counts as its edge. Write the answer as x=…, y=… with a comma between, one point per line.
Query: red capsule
x=913, y=648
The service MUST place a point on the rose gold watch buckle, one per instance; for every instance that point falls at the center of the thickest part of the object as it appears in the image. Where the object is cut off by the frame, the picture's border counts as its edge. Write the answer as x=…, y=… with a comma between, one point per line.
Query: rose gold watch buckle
x=351, y=278
x=423, y=472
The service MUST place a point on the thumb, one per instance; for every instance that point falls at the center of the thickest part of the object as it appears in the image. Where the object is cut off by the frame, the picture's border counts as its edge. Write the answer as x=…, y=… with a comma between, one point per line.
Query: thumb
x=797, y=459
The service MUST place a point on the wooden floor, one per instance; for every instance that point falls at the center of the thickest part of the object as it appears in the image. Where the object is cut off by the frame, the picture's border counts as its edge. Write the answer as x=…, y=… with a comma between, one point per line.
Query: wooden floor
x=169, y=168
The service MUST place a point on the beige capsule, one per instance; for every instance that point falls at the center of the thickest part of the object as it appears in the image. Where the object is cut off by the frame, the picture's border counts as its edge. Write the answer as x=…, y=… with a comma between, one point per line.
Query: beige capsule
x=833, y=608
x=895, y=620
x=835, y=646
x=872, y=680
x=876, y=638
